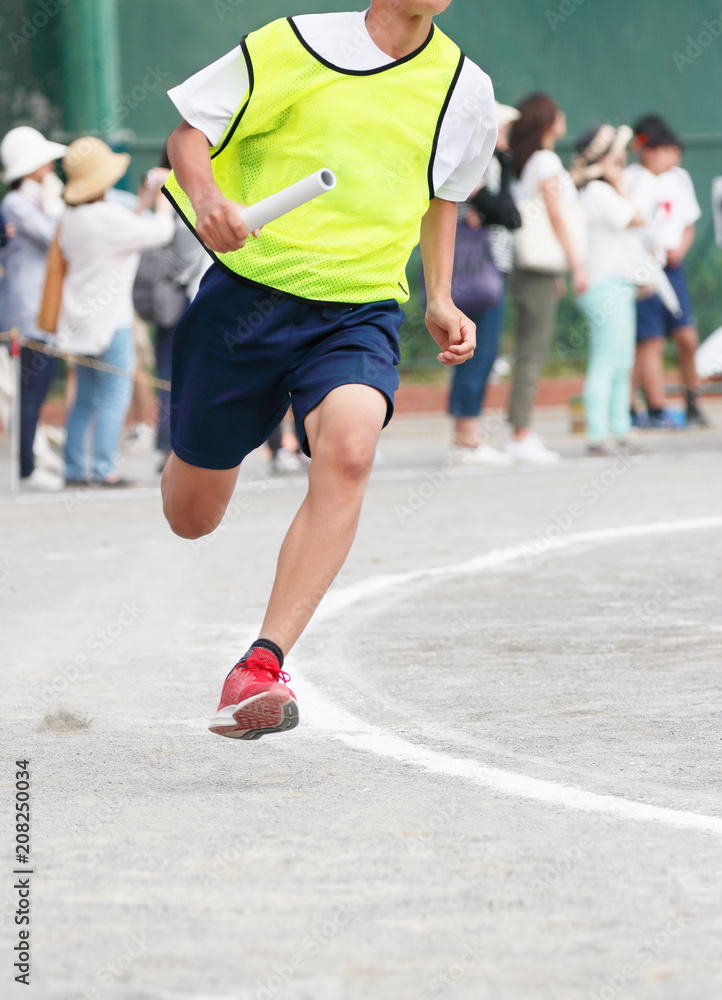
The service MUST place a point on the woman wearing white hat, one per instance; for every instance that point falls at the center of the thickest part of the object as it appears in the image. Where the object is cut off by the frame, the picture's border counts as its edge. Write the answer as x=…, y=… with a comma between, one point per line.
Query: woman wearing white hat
x=32, y=207
x=102, y=242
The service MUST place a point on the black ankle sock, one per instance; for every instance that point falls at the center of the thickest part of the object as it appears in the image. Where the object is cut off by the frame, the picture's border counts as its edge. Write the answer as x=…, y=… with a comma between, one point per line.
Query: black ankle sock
x=269, y=645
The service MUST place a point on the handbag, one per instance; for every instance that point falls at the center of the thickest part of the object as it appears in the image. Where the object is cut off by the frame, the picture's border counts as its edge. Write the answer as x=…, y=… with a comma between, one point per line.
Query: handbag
x=53, y=290
x=477, y=283
x=537, y=246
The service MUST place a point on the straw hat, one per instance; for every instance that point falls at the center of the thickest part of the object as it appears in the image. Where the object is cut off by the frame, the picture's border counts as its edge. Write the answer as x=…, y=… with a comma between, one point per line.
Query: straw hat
x=25, y=150
x=593, y=146
x=92, y=168
x=506, y=114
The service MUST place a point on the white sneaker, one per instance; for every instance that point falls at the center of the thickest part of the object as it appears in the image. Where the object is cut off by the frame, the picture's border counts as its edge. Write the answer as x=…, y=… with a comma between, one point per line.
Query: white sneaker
x=139, y=437
x=284, y=461
x=531, y=449
x=42, y=479
x=484, y=454
x=44, y=454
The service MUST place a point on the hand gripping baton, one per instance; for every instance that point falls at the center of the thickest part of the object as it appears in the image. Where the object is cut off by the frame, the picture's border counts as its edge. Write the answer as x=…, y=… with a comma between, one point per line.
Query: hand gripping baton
x=285, y=201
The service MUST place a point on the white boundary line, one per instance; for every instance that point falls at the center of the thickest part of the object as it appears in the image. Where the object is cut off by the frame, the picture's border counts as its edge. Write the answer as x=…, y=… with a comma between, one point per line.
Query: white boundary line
x=325, y=715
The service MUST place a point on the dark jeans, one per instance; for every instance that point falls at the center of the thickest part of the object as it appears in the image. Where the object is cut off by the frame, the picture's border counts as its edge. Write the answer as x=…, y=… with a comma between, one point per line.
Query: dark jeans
x=469, y=380
x=164, y=364
x=37, y=372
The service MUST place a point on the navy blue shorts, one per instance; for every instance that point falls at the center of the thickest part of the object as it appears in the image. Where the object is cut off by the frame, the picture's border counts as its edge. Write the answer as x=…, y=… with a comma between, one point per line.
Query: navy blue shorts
x=242, y=353
x=654, y=320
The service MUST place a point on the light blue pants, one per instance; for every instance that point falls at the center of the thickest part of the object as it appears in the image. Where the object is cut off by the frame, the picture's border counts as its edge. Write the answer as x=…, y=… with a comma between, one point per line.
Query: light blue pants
x=610, y=308
x=104, y=399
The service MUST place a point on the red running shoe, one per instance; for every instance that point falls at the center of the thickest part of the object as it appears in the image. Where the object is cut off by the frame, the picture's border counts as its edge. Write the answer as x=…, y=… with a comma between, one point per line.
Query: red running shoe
x=255, y=700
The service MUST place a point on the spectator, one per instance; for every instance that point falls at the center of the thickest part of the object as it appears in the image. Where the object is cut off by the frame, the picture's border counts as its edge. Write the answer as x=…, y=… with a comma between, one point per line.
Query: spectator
x=535, y=293
x=32, y=208
x=665, y=194
x=609, y=302
x=167, y=280
x=493, y=207
x=102, y=242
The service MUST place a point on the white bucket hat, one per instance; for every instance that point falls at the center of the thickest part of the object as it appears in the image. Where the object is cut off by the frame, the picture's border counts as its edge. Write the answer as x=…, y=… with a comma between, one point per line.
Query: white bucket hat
x=24, y=150
x=506, y=114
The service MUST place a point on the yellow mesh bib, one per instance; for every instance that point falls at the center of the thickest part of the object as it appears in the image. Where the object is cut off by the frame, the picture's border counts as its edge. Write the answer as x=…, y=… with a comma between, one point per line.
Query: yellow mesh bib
x=378, y=131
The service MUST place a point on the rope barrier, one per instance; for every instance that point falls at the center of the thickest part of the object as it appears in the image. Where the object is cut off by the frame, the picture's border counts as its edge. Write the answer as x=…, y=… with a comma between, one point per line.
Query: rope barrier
x=14, y=336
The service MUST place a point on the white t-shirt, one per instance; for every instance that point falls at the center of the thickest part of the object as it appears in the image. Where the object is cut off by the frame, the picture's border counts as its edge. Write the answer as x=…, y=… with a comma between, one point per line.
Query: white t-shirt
x=210, y=99
x=667, y=202
x=615, y=250
x=538, y=168
x=102, y=243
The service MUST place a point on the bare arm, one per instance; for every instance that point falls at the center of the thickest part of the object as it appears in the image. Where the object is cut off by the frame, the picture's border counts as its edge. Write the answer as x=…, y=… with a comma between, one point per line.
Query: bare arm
x=451, y=329
x=551, y=189
x=676, y=257
x=218, y=220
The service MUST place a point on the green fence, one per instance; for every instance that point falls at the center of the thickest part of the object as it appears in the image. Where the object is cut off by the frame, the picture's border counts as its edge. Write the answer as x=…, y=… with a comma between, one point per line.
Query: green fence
x=70, y=66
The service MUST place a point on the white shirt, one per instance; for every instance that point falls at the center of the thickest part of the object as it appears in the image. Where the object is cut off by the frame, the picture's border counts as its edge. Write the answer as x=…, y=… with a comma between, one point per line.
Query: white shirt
x=667, y=202
x=209, y=100
x=102, y=243
x=539, y=168
x=615, y=250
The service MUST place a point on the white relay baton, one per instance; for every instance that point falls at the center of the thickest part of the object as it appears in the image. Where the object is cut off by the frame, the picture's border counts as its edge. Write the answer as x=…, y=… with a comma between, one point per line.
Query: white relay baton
x=665, y=290
x=285, y=201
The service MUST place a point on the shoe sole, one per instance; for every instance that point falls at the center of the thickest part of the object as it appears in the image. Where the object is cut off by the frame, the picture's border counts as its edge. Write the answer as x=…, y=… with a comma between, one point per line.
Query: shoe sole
x=268, y=712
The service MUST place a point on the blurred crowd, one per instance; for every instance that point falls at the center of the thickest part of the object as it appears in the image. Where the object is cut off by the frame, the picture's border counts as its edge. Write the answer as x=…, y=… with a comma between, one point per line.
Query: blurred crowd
x=105, y=275
x=621, y=232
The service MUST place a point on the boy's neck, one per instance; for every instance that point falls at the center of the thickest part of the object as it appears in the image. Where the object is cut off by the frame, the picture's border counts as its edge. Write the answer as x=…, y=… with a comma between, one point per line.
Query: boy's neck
x=395, y=33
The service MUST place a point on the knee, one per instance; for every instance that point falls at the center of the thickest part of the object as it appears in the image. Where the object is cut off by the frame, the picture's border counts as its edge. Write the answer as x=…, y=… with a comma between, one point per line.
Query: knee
x=187, y=523
x=687, y=340
x=350, y=456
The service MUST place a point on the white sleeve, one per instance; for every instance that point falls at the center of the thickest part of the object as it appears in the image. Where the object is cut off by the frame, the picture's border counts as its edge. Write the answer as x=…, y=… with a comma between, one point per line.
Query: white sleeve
x=692, y=211
x=129, y=233
x=607, y=206
x=209, y=99
x=468, y=135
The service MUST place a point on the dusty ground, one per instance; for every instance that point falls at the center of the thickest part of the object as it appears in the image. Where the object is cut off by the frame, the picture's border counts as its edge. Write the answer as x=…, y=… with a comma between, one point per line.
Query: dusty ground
x=506, y=781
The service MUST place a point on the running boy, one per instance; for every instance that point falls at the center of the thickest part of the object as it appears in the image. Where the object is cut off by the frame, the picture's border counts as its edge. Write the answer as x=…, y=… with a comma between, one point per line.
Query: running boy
x=309, y=308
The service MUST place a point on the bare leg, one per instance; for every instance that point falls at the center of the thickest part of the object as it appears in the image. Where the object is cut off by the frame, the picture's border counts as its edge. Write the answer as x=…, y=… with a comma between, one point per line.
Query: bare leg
x=650, y=369
x=466, y=432
x=195, y=500
x=687, y=343
x=342, y=431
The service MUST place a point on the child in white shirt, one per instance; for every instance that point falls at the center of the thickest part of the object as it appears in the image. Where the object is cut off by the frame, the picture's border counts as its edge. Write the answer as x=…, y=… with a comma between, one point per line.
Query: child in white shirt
x=666, y=197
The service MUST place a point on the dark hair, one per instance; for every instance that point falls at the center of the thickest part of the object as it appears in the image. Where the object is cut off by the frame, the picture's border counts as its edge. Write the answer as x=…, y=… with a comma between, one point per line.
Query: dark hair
x=537, y=114
x=15, y=185
x=653, y=130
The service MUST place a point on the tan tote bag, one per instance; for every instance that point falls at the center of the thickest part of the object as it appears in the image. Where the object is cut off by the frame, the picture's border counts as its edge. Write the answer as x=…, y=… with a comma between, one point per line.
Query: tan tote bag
x=537, y=246
x=53, y=290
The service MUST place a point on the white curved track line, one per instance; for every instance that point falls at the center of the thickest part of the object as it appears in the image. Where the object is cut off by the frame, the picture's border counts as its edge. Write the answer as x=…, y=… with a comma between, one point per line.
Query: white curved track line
x=323, y=715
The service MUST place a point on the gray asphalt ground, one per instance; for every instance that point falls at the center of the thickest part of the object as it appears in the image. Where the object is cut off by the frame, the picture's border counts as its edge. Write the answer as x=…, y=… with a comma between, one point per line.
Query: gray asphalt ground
x=506, y=781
